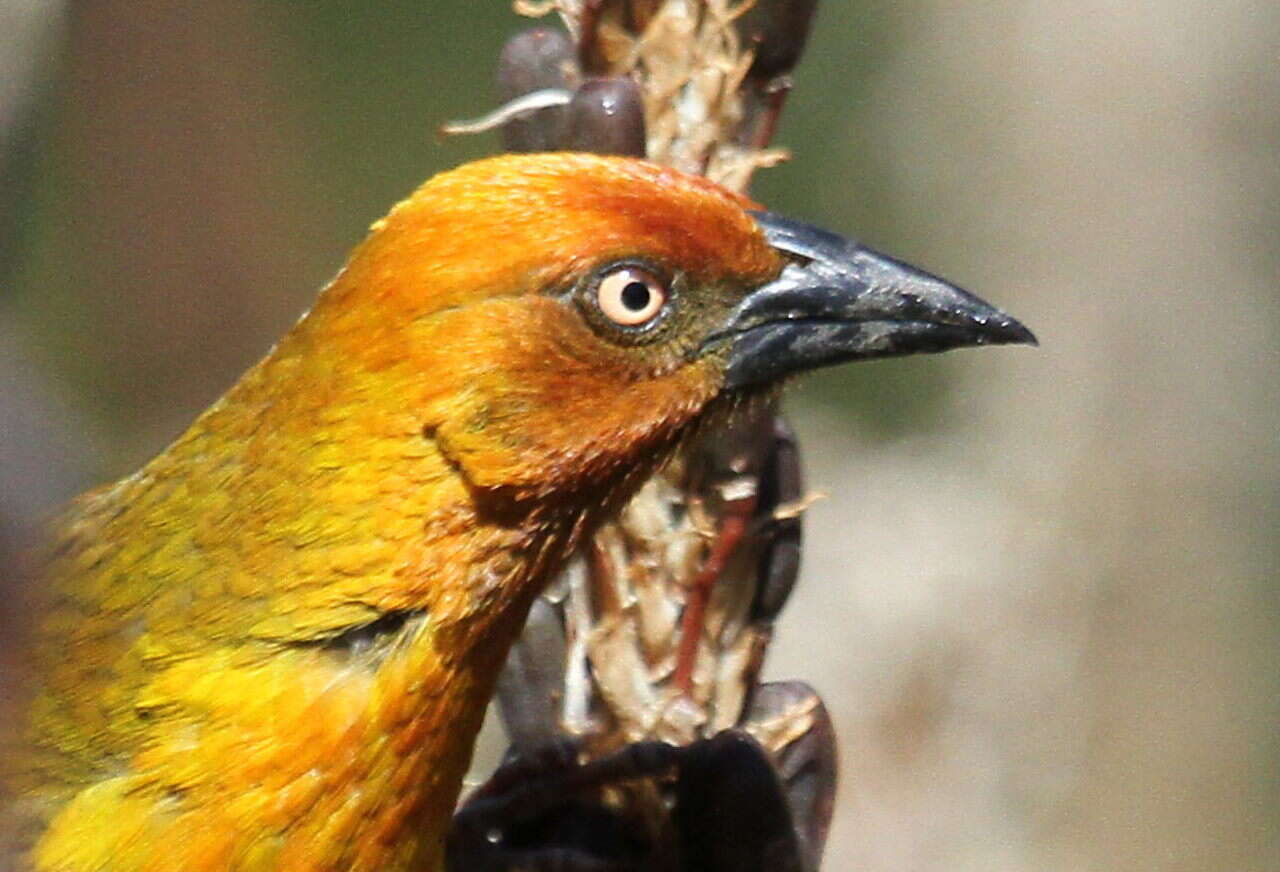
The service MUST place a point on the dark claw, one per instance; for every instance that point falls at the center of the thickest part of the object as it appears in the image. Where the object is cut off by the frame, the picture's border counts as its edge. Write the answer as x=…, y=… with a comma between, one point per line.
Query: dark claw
x=539, y=58
x=518, y=768
x=565, y=860
x=735, y=808
x=498, y=859
x=731, y=811
x=606, y=116
x=543, y=811
x=808, y=766
x=528, y=785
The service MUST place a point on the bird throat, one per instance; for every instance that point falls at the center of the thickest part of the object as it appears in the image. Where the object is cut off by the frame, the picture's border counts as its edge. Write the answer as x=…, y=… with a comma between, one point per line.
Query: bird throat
x=272, y=647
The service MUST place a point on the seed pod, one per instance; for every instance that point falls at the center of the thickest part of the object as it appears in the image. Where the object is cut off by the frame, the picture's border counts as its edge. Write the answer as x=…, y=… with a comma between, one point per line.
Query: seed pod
x=534, y=60
x=781, y=484
x=606, y=116
x=779, y=30
x=531, y=685
x=807, y=765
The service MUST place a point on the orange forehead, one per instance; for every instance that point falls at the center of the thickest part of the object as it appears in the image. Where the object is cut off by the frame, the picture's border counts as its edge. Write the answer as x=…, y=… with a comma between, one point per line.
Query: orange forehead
x=520, y=223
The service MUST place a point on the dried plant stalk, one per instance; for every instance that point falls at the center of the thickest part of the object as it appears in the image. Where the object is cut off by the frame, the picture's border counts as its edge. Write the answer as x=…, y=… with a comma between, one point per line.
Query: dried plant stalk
x=658, y=629
x=622, y=602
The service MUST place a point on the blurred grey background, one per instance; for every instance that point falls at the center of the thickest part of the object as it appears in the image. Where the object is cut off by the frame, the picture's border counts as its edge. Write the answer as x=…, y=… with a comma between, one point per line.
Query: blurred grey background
x=1041, y=597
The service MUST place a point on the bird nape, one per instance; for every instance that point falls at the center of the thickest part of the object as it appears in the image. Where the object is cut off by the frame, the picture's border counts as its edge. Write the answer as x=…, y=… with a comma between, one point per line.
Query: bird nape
x=272, y=646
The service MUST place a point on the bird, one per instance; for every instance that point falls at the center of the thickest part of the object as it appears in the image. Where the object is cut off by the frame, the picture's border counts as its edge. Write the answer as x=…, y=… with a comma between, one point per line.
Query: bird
x=271, y=647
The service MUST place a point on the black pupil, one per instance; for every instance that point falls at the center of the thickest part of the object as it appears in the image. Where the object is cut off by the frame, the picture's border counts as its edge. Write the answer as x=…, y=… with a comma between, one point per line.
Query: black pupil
x=635, y=296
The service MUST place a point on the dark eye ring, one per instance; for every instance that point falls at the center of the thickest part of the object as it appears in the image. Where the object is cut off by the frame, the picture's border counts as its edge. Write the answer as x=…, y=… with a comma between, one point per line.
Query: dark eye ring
x=631, y=296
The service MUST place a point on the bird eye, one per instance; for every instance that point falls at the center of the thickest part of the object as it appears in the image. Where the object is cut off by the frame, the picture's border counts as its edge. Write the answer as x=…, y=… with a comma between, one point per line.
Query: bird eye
x=630, y=296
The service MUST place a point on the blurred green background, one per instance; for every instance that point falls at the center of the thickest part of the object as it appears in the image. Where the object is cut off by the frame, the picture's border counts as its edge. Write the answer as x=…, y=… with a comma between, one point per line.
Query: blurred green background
x=1042, y=595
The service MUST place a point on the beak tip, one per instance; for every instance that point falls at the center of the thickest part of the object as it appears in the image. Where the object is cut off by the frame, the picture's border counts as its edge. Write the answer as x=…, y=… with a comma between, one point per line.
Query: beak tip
x=1014, y=332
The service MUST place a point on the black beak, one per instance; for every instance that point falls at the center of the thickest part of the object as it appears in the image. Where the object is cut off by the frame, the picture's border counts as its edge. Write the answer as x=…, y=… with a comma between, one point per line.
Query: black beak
x=838, y=301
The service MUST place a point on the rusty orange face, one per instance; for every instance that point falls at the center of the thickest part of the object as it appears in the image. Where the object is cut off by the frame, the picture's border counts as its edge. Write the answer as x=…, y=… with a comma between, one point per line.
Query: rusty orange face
x=565, y=309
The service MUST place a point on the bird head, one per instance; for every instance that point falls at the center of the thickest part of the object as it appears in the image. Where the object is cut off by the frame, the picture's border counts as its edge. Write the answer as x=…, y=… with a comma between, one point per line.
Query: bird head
x=302, y=605
x=558, y=316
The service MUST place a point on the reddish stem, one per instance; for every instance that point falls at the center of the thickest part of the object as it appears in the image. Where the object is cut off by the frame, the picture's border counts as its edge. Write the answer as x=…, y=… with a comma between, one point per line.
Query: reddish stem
x=733, y=526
